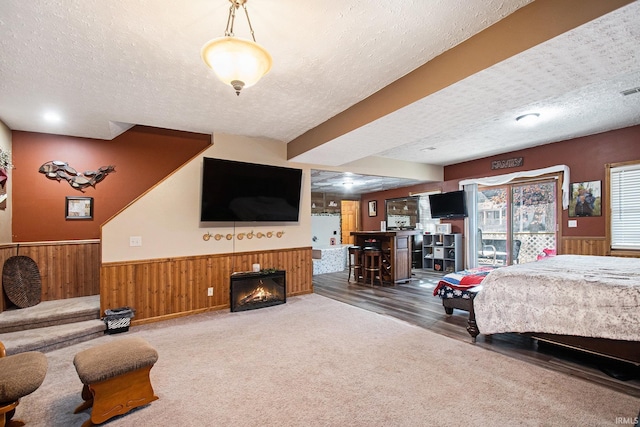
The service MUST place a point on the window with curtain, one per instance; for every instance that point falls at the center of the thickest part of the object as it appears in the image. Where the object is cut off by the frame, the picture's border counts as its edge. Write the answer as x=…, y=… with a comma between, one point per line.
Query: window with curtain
x=624, y=191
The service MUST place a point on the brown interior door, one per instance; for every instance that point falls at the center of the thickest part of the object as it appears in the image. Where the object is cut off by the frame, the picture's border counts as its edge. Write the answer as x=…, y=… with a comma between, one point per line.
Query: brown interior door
x=349, y=220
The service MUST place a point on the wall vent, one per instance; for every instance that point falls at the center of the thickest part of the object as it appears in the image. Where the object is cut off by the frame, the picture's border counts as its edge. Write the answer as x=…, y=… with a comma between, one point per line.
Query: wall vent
x=631, y=91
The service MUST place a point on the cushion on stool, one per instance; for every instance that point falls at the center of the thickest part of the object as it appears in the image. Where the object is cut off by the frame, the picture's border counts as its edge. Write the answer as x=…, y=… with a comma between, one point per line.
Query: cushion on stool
x=21, y=374
x=108, y=360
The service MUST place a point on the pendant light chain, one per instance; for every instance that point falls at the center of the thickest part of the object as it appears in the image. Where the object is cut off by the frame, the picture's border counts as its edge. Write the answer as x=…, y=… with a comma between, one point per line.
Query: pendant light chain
x=244, y=6
x=235, y=4
x=230, y=20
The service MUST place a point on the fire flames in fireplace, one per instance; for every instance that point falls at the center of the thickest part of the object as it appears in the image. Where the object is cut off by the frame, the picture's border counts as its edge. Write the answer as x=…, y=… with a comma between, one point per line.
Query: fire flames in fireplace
x=257, y=290
x=259, y=295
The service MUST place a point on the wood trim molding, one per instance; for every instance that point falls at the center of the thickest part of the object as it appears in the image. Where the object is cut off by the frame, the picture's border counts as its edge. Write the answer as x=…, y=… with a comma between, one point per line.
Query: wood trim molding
x=607, y=212
x=48, y=243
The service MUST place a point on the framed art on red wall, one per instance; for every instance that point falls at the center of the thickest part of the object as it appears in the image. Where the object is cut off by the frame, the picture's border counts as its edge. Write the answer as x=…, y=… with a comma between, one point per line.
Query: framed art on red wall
x=585, y=199
x=79, y=207
x=373, y=208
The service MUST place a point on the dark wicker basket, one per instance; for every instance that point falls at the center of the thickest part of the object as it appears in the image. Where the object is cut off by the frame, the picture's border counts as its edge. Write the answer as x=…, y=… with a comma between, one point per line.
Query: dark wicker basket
x=118, y=319
x=21, y=281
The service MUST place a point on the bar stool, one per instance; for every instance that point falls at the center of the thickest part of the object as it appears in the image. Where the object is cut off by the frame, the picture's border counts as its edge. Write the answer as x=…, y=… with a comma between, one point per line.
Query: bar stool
x=372, y=264
x=355, y=263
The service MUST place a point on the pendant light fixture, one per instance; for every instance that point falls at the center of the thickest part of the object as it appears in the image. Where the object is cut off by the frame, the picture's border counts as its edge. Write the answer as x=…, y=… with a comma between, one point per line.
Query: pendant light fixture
x=236, y=61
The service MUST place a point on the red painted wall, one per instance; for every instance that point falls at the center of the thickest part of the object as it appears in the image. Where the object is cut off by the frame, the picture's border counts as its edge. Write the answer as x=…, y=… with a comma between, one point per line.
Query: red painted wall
x=142, y=157
x=586, y=158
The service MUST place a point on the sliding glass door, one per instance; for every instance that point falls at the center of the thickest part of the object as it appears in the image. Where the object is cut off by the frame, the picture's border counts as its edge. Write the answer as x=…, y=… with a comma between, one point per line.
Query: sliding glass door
x=516, y=222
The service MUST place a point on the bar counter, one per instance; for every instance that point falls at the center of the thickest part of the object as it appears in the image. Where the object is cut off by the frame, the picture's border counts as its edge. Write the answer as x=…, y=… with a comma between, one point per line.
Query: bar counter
x=396, y=247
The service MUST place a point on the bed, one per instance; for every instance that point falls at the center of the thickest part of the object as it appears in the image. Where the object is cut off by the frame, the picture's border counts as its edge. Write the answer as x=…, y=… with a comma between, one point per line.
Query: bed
x=591, y=303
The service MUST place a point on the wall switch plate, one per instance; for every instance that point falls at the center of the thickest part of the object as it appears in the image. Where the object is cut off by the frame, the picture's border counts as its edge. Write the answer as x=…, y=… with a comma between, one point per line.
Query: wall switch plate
x=573, y=223
x=210, y=292
x=135, y=240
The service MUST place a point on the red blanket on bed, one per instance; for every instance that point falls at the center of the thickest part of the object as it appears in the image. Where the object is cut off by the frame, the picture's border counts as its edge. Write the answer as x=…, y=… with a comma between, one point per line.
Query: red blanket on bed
x=463, y=280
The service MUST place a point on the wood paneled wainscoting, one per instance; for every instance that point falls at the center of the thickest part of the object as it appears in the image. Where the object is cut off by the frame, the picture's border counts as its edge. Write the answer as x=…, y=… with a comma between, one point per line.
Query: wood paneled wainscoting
x=160, y=289
x=68, y=269
x=584, y=246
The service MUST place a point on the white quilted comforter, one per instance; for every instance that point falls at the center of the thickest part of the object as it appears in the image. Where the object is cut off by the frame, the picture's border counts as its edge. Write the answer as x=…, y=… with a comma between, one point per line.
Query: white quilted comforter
x=589, y=296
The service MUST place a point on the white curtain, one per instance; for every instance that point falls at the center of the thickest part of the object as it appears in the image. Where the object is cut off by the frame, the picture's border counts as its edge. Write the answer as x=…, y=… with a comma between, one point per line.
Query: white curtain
x=471, y=225
x=503, y=179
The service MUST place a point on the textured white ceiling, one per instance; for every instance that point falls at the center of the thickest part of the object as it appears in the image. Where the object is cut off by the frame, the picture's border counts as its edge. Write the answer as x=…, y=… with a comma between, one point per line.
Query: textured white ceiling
x=352, y=184
x=107, y=65
x=138, y=62
x=573, y=81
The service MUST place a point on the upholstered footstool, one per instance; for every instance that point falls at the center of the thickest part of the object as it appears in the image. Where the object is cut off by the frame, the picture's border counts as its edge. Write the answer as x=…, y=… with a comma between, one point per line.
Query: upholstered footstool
x=115, y=377
x=20, y=374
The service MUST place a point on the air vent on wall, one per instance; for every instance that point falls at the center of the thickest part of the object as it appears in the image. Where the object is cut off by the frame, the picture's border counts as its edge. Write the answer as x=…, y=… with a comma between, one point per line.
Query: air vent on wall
x=631, y=91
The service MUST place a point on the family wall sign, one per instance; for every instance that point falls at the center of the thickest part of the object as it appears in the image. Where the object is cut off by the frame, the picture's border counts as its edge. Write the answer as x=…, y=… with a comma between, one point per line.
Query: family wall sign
x=508, y=163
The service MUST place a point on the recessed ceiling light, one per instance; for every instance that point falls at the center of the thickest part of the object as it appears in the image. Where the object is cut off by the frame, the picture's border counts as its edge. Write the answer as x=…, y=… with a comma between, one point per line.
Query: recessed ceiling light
x=52, y=117
x=528, y=119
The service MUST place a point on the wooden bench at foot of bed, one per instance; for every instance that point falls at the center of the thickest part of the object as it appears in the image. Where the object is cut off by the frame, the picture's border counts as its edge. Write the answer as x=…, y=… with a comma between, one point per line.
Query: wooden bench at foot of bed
x=457, y=289
x=460, y=303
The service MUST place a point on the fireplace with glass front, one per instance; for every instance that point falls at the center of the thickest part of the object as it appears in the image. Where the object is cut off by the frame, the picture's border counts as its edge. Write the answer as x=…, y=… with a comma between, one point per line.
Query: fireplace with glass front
x=257, y=290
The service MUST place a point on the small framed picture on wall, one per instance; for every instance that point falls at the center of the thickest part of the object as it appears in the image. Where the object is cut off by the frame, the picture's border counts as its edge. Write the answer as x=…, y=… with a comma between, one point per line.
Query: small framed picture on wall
x=79, y=207
x=373, y=208
x=585, y=199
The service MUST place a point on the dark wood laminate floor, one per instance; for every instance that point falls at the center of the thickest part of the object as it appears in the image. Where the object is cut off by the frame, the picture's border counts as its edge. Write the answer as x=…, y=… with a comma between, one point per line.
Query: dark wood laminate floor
x=414, y=303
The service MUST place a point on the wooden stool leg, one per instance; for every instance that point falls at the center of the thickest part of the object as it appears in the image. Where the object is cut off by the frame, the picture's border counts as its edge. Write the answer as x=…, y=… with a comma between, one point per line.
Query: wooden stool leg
x=364, y=266
x=6, y=413
x=355, y=264
x=352, y=266
x=366, y=272
x=118, y=395
x=372, y=271
x=87, y=396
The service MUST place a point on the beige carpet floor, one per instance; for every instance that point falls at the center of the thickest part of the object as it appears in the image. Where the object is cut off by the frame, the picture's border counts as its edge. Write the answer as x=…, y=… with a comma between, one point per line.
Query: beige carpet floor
x=317, y=362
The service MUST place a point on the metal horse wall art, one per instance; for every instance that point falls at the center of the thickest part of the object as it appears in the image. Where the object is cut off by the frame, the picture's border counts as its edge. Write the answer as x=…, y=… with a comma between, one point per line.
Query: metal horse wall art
x=55, y=169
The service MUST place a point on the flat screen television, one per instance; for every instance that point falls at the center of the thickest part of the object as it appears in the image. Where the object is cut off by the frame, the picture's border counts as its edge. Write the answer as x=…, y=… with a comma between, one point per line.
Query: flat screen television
x=239, y=191
x=448, y=205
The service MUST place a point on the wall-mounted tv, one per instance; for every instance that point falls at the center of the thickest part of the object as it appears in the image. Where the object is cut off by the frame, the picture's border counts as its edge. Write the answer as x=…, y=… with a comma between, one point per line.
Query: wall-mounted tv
x=239, y=191
x=448, y=205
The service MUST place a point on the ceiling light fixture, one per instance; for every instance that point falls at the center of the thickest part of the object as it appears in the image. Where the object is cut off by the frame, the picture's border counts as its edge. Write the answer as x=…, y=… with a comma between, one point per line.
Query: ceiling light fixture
x=52, y=117
x=236, y=61
x=528, y=119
